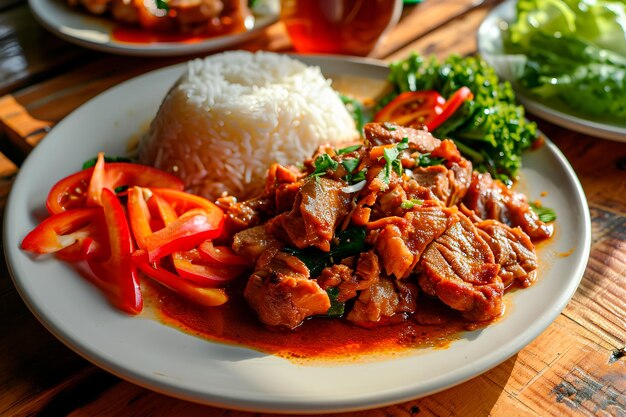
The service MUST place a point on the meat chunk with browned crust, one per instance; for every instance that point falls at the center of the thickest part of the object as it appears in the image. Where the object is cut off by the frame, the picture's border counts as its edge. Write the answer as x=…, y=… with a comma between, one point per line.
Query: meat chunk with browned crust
x=491, y=199
x=349, y=282
x=319, y=207
x=460, y=269
x=389, y=133
x=384, y=302
x=281, y=291
x=400, y=243
x=513, y=250
x=251, y=243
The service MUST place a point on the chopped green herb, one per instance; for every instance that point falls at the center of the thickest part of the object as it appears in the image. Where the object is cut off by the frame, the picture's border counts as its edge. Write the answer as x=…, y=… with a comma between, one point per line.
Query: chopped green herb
x=424, y=160
x=323, y=164
x=356, y=177
x=389, y=126
x=350, y=164
x=92, y=162
x=545, y=214
x=337, y=308
x=348, y=149
x=355, y=108
x=392, y=163
x=349, y=242
x=409, y=204
x=162, y=4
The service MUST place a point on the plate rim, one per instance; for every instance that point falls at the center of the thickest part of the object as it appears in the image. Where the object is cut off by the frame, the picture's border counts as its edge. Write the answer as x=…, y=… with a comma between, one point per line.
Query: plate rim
x=580, y=124
x=155, y=49
x=355, y=402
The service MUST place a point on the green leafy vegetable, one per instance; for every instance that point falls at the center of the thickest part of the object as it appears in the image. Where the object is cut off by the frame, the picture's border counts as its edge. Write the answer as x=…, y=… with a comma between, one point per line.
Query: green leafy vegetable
x=323, y=164
x=545, y=214
x=392, y=163
x=491, y=129
x=337, y=308
x=572, y=52
x=92, y=162
x=356, y=177
x=355, y=108
x=424, y=160
x=350, y=164
x=348, y=149
x=162, y=4
x=389, y=126
x=350, y=242
x=409, y=204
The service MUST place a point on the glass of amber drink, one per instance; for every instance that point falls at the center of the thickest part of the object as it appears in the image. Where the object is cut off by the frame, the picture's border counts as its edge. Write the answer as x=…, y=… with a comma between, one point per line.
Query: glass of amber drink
x=351, y=27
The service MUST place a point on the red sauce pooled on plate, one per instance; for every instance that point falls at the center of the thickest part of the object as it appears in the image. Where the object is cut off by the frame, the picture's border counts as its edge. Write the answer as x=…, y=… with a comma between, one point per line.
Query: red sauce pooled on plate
x=317, y=338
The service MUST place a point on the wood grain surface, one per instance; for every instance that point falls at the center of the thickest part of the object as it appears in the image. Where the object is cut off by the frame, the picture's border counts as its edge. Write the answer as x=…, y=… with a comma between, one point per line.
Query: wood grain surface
x=577, y=367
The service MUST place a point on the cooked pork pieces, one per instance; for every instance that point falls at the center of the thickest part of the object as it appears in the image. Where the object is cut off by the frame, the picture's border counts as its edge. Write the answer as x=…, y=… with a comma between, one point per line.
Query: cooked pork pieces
x=379, y=228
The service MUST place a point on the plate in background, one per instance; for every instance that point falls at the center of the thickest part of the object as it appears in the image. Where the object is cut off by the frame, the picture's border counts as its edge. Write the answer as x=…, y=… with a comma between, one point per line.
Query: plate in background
x=490, y=46
x=95, y=32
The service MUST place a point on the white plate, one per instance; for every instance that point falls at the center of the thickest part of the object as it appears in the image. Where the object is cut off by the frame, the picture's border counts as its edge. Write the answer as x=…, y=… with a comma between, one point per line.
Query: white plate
x=490, y=38
x=94, y=32
x=166, y=360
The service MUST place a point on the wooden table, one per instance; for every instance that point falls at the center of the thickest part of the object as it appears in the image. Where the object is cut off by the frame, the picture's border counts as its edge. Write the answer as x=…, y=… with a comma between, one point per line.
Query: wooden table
x=576, y=367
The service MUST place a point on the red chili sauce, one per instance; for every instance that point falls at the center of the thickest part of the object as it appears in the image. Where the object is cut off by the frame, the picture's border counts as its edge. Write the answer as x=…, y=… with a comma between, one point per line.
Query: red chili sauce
x=317, y=338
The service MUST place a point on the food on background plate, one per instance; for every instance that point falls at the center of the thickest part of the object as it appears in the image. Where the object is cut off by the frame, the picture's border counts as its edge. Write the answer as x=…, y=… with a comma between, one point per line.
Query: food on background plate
x=197, y=17
x=570, y=52
x=233, y=114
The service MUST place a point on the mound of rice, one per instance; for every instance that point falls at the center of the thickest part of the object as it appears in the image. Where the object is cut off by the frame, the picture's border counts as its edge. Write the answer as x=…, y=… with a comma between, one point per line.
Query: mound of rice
x=233, y=114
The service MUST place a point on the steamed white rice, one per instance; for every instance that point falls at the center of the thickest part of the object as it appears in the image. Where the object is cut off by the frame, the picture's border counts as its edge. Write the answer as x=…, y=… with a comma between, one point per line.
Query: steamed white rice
x=233, y=114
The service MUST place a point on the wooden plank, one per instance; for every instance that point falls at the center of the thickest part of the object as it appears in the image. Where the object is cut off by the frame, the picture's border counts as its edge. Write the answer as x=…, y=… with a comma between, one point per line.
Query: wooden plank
x=421, y=19
x=457, y=37
x=24, y=130
x=28, y=51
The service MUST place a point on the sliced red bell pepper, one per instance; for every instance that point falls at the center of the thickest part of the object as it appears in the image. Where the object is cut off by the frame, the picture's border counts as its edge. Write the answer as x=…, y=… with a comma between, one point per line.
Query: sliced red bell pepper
x=73, y=235
x=165, y=211
x=139, y=216
x=453, y=103
x=182, y=202
x=184, y=233
x=118, y=276
x=221, y=254
x=412, y=108
x=190, y=265
x=72, y=191
x=210, y=297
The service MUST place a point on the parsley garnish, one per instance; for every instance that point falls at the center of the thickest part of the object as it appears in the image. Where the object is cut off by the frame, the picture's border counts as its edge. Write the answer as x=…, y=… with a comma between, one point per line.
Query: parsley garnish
x=356, y=177
x=424, y=160
x=350, y=164
x=409, y=204
x=545, y=214
x=389, y=126
x=350, y=242
x=392, y=163
x=355, y=108
x=162, y=4
x=337, y=308
x=323, y=163
x=348, y=149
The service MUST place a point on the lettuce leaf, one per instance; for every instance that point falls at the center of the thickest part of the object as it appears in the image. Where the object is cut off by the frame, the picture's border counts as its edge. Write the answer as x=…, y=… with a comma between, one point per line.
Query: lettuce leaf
x=575, y=52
